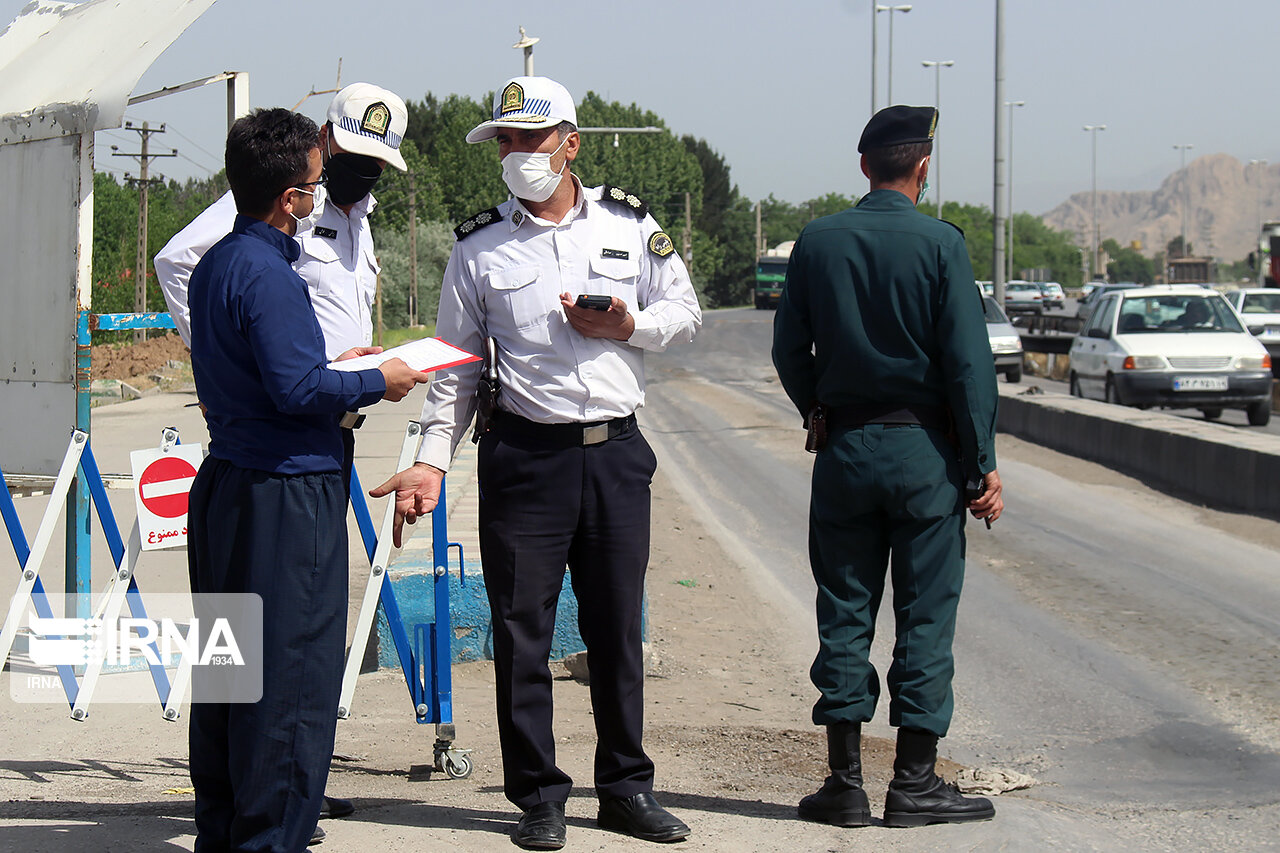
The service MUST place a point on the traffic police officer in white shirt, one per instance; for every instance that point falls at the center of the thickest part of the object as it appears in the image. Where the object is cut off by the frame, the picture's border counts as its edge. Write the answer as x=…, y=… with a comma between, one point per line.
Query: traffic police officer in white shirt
x=362, y=135
x=564, y=472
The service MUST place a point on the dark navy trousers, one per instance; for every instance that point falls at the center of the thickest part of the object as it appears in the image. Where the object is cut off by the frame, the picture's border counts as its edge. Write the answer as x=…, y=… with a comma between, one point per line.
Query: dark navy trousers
x=259, y=769
x=543, y=507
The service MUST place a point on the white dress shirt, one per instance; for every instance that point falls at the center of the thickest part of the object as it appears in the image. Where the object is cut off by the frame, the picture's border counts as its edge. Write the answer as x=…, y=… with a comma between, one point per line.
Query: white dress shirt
x=341, y=271
x=504, y=281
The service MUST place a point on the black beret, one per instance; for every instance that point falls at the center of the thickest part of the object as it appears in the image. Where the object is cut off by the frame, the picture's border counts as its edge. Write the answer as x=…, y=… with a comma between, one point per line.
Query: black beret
x=898, y=125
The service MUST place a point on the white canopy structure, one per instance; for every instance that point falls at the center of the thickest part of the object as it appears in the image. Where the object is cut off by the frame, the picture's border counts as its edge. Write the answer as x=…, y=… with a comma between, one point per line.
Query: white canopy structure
x=66, y=70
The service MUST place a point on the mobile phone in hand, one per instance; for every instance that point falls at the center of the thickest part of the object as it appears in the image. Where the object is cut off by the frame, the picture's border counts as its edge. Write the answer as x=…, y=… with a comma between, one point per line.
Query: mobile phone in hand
x=596, y=302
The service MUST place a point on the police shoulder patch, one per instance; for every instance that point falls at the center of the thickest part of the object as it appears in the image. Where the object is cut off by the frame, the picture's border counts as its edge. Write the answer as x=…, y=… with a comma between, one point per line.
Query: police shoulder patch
x=622, y=198
x=473, y=224
x=953, y=225
x=660, y=244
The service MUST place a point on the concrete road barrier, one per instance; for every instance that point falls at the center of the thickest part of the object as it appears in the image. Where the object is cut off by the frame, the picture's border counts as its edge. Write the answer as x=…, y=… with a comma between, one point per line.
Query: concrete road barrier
x=1223, y=467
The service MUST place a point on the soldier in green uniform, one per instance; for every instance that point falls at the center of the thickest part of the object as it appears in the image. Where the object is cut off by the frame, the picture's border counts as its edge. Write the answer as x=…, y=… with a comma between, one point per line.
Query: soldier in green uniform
x=880, y=342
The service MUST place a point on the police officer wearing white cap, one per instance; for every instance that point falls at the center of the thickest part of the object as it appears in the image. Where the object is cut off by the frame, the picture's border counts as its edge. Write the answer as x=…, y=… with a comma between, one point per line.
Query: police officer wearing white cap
x=362, y=135
x=564, y=472
x=365, y=126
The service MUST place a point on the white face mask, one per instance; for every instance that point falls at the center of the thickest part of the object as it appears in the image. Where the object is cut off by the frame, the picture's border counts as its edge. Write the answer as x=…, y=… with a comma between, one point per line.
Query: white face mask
x=318, y=198
x=530, y=176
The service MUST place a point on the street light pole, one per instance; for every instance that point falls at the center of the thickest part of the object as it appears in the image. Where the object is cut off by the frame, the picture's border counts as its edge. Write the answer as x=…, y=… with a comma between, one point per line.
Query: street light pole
x=1093, y=232
x=1257, y=188
x=1009, y=247
x=1186, y=195
x=526, y=44
x=875, y=8
x=891, y=10
x=937, y=65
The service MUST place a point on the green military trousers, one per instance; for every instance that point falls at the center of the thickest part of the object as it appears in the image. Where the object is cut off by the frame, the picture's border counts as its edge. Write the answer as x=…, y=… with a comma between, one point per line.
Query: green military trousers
x=886, y=497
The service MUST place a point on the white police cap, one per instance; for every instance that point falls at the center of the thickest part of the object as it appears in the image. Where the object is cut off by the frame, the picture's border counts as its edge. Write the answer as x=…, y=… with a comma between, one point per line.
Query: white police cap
x=527, y=102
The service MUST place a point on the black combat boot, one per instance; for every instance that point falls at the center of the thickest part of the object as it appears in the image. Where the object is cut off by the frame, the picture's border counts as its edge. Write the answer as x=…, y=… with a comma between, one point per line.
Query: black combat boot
x=841, y=800
x=917, y=797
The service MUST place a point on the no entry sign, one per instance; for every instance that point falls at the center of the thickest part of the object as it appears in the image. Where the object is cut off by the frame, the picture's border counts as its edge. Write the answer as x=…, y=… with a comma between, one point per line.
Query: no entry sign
x=164, y=479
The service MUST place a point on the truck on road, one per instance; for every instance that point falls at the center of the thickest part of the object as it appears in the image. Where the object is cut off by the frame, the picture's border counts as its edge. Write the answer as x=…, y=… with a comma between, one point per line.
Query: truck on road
x=771, y=271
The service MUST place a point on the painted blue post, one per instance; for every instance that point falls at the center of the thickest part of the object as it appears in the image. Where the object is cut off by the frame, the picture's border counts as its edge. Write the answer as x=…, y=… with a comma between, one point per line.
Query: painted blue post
x=79, y=567
x=442, y=630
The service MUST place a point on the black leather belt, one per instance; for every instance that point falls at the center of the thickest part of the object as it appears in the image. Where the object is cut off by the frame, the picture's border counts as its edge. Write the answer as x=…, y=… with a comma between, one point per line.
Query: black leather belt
x=564, y=435
x=853, y=416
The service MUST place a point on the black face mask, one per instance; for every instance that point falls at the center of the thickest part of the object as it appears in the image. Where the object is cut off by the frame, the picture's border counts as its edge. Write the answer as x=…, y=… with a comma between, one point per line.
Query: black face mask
x=351, y=177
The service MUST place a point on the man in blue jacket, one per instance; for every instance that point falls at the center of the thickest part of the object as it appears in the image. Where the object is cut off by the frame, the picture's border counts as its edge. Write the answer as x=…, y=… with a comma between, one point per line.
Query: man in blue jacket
x=268, y=506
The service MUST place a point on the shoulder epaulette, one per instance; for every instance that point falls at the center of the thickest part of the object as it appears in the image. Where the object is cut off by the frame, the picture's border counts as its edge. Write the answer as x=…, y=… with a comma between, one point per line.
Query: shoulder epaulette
x=622, y=198
x=953, y=225
x=473, y=224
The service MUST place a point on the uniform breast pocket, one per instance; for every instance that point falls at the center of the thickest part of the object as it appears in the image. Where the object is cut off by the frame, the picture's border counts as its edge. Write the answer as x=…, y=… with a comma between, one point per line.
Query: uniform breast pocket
x=515, y=293
x=615, y=277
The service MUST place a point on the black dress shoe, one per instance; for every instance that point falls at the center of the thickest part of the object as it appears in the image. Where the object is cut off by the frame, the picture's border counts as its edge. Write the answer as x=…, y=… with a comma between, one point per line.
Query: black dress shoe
x=541, y=827
x=316, y=837
x=336, y=807
x=640, y=816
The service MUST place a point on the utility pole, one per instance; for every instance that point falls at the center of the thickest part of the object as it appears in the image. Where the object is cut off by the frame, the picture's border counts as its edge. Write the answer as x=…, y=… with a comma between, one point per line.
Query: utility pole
x=759, y=232
x=1186, y=194
x=875, y=19
x=143, y=181
x=413, y=249
x=999, y=200
x=688, y=232
x=1093, y=129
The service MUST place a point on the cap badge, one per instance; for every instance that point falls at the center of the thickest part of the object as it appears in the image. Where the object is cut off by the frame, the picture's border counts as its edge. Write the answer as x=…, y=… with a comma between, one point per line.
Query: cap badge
x=512, y=99
x=377, y=119
x=933, y=124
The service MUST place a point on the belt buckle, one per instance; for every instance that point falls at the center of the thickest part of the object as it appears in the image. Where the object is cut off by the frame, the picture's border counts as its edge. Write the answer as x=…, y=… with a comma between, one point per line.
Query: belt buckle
x=595, y=434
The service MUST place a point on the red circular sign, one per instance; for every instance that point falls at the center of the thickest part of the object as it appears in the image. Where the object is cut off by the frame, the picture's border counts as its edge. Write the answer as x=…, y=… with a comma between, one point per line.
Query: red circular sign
x=164, y=485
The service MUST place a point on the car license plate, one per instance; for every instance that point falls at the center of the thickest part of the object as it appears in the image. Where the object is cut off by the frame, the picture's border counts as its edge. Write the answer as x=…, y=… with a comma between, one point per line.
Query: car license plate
x=1200, y=383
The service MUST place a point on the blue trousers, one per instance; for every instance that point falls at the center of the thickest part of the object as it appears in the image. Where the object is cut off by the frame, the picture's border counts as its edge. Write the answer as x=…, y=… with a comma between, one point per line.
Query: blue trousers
x=886, y=499
x=259, y=769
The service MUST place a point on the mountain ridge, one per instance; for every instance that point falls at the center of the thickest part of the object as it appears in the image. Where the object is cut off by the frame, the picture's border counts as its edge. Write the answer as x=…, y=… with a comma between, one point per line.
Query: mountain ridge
x=1227, y=201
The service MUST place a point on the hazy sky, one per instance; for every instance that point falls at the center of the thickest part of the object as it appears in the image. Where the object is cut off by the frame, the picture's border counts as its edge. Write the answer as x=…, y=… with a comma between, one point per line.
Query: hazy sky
x=782, y=90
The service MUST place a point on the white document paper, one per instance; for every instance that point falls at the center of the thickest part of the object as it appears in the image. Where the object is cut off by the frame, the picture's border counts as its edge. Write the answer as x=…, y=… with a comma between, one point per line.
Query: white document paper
x=425, y=354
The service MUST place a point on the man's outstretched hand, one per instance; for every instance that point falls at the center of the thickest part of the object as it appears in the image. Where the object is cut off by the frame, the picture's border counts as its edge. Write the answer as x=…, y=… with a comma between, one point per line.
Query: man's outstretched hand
x=417, y=492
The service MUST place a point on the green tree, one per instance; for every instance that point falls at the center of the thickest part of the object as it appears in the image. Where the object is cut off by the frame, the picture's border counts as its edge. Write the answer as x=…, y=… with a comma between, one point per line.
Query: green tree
x=397, y=192
x=1127, y=264
x=467, y=176
x=434, y=243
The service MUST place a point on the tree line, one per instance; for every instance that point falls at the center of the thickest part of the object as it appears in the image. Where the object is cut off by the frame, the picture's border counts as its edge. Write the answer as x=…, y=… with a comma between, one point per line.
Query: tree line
x=449, y=180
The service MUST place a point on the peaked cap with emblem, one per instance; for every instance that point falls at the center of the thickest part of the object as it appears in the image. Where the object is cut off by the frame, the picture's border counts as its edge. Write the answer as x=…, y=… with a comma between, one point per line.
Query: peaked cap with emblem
x=899, y=125
x=623, y=198
x=528, y=102
x=369, y=120
x=472, y=224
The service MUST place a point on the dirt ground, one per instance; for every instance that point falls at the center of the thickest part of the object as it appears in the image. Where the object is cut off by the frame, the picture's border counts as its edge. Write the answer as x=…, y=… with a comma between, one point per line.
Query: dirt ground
x=128, y=361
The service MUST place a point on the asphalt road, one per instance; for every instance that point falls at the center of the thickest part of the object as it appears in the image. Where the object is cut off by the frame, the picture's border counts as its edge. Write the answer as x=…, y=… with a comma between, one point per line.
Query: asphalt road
x=1115, y=643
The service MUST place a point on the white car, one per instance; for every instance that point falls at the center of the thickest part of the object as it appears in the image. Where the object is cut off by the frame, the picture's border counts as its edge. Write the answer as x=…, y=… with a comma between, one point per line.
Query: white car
x=1259, y=307
x=1006, y=343
x=1023, y=296
x=1172, y=346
